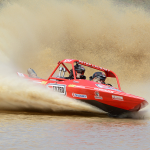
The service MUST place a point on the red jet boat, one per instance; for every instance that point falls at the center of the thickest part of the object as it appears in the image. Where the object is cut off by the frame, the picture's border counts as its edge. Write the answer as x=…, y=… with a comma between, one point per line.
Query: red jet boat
x=105, y=97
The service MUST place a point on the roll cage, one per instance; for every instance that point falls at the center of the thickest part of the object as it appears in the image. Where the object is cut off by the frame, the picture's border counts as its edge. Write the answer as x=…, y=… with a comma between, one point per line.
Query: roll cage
x=108, y=73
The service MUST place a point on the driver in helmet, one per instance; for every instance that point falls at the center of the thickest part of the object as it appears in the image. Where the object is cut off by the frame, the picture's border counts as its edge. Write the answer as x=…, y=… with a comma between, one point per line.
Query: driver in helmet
x=98, y=77
x=79, y=72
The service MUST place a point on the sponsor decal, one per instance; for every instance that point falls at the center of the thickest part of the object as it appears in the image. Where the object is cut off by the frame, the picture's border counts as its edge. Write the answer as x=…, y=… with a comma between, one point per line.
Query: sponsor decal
x=97, y=96
x=99, y=85
x=44, y=82
x=76, y=81
x=67, y=60
x=58, y=88
x=20, y=74
x=79, y=95
x=111, y=88
x=71, y=85
x=78, y=86
x=115, y=97
x=37, y=82
x=93, y=66
x=103, y=90
x=96, y=93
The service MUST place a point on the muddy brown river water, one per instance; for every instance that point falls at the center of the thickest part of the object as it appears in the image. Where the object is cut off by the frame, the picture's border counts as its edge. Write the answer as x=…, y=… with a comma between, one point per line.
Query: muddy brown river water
x=45, y=131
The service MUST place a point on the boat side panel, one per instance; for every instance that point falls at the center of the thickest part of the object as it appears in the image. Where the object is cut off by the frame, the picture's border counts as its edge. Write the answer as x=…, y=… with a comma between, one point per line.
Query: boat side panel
x=107, y=98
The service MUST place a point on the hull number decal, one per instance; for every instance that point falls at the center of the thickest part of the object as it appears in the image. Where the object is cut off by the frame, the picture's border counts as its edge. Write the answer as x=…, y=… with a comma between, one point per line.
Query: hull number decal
x=58, y=88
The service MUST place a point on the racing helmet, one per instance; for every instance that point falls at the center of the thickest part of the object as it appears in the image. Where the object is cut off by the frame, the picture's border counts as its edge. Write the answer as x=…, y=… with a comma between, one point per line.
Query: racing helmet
x=79, y=69
x=100, y=75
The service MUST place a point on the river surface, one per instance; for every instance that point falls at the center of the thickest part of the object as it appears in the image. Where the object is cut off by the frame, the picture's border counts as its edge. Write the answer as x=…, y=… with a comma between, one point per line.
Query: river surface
x=46, y=131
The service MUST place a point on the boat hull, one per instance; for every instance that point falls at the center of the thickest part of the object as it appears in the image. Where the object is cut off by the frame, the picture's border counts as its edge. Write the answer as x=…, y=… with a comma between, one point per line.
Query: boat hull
x=114, y=111
x=107, y=98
